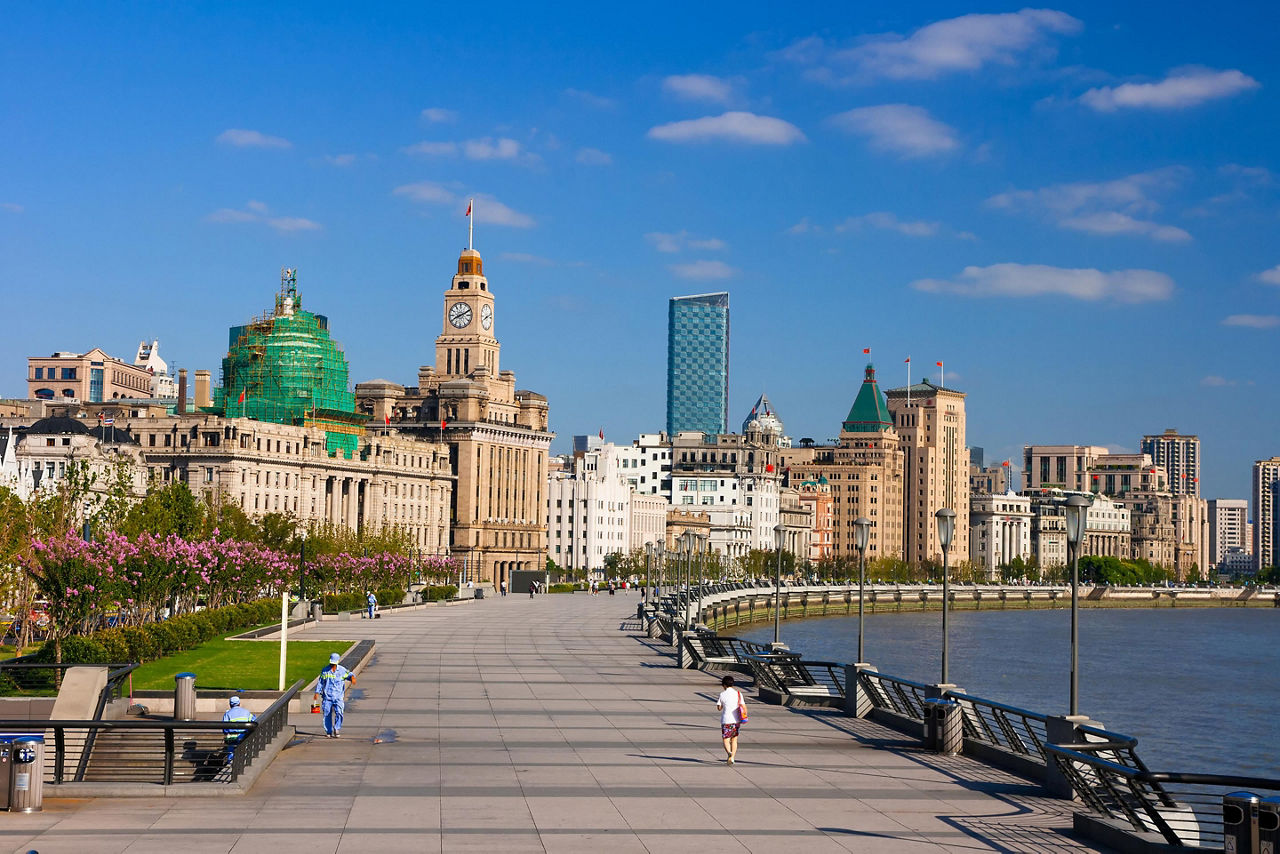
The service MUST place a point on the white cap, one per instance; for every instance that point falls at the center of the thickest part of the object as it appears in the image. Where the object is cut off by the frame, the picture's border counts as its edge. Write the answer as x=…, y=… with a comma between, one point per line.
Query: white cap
x=234, y=701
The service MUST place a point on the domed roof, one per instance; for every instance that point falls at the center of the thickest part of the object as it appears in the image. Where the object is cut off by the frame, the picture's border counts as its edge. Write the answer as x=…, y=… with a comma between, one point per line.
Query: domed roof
x=763, y=418
x=57, y=425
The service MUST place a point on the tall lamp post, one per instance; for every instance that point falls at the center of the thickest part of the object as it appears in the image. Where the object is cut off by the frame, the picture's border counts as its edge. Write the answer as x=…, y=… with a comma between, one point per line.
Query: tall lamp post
x=648, y=579
x=1077, y=515
x=946, y=528
x=660, y=553
x=861, y=534
x=779, y=532
x=302, y=572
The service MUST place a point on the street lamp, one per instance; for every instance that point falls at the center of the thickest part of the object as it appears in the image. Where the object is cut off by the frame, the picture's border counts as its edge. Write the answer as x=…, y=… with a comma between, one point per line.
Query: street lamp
x=861, y=534
x=302, y=570
x=1077, y=516
x=648, y=580
x=779, y=532
x=946, y=528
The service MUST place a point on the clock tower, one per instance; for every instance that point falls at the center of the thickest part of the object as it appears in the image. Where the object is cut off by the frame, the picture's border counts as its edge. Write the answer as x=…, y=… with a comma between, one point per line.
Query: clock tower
x=467, y=337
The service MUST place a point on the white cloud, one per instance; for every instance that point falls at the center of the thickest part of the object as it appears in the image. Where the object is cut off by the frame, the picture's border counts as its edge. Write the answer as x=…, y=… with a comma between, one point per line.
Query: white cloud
x=733, y=126
x=1182, y=88
x=12, y=207
x=493, y=212
x=593, y=157
x=292, y=223
x=804, y=227
x=890, y=222
x=681, y=240
x=491, y=149
x=966, y=43
x=591, y=99
x=439, y=114
x=698, y=87
x=1033, y=280
x=1253, y=321
x=899, y=129
x=339, y=159
x=1114, y=222
x=257, y=212
x=430, y=148
x=703, y=270
x=1271, y=277
x=1103, y=207
x=1215, y=381
x=241, y=138
x=425, y=191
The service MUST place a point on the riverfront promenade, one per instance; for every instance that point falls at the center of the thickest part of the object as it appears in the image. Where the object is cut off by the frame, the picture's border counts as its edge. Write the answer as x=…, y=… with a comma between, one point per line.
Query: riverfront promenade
x=552, y=724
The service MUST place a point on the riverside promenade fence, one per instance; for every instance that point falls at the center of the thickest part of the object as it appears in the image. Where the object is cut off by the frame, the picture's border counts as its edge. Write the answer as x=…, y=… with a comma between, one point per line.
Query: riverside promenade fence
x=1129, y=806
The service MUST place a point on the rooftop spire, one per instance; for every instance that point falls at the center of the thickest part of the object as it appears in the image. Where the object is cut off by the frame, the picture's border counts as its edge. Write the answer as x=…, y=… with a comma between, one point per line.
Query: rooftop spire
x=869, y=414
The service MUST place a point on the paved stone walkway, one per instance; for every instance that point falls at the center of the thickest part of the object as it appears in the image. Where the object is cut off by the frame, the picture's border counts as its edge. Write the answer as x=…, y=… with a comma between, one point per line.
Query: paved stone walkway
x=551, y=725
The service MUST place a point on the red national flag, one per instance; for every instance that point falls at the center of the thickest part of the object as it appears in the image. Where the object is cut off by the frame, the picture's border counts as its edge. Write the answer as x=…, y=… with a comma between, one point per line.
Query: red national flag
x=468, y=213
x=387, y=418
x=1005, y=463
x=939, y=364
x=907, y=360
x=443, y=424
x=601, y=434
x=241, y=400
x=866, y=349
x=768, y=467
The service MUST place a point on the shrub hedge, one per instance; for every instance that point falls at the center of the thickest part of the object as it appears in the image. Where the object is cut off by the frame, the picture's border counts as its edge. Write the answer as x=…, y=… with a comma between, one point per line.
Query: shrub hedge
x=156, y=640
x=562, y=588
x=439, y=592
x=335, y=602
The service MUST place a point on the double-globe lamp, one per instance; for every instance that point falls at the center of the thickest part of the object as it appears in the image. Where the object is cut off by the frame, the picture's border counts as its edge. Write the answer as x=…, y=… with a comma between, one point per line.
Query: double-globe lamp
x=861, y=536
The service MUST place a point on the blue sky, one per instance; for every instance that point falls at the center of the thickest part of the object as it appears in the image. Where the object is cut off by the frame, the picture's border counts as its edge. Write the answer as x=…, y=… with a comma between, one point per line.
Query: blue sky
x=1074, y=207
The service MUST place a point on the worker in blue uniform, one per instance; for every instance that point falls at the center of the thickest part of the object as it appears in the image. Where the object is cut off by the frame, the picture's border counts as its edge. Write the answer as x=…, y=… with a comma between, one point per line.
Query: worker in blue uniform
x=331, y=689
x=236, y=714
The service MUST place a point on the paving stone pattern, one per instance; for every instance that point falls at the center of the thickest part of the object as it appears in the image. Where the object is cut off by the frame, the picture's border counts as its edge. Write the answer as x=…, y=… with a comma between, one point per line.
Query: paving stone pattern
x=552, y=725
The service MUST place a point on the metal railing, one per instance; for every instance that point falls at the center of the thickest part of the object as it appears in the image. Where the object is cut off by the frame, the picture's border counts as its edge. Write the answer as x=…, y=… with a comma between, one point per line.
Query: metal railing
x=164, y=752
x=22, y=677
x=1005, y=727
x=1184, y=809
x=892, y=693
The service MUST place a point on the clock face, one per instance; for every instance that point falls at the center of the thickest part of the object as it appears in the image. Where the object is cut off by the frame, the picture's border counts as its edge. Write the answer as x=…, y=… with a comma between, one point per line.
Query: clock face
x=460, y=315
x=486, y=316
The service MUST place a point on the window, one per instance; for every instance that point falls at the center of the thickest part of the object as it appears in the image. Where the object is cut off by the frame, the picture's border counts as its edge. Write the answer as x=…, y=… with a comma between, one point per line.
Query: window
x=39, y=373
x=68, y=373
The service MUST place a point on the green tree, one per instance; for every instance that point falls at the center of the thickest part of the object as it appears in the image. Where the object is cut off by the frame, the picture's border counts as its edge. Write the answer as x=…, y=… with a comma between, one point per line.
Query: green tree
x=168, y=509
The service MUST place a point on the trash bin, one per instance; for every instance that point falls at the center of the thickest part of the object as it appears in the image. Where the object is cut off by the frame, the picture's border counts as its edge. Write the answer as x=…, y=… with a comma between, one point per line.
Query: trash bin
x=1269, y=824
x=943, y=727
x=6, y=772
x=26, y=774
x=1240, y=823
x=479, y=592
x=184, y=697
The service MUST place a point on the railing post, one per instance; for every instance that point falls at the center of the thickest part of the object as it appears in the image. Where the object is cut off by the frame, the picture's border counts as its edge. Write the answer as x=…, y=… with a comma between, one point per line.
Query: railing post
x=59, y=753
x=168, y=756
x=858, y=701
x=1060, y=730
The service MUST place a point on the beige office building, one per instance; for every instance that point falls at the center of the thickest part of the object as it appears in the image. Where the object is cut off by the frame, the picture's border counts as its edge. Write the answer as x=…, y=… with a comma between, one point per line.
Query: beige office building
x=91, y=377
x=931, y=423
x=497, y=434
x=865, y=473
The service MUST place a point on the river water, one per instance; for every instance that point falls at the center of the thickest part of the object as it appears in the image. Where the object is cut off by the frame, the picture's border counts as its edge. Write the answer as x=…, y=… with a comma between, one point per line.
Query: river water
x=1198, y=687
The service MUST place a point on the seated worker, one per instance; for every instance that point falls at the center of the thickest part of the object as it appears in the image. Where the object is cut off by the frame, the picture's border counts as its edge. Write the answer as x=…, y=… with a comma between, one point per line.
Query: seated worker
x=236, y=713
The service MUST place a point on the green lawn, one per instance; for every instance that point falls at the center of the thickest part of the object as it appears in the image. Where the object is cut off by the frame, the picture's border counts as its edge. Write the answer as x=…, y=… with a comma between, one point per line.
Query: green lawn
x=238, y=665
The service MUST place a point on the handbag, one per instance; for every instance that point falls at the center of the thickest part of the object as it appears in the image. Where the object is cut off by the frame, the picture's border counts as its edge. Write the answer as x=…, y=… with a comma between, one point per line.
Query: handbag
x=742, y=709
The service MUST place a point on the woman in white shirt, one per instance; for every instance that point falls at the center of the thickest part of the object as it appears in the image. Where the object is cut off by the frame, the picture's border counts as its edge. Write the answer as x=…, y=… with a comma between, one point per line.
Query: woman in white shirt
x=733, y=709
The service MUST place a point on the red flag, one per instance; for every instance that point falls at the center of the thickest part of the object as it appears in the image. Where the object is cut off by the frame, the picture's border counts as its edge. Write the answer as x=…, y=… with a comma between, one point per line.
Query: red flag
x=468, y=213
x=1005, y=463
x=387, y=418
x=601, y=434
x=768, y=467
x=866, y=349
x=241, y=400
x=939, y=364
x=443, y=424
x=907, y=360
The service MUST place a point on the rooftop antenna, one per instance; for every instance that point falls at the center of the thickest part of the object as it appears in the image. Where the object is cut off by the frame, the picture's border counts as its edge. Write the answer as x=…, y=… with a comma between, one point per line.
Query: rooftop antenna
x=471, y=222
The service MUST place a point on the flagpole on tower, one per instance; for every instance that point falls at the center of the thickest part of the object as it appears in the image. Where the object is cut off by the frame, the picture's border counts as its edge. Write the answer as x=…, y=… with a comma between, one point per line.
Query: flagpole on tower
x=471, y=222
x=908, y=382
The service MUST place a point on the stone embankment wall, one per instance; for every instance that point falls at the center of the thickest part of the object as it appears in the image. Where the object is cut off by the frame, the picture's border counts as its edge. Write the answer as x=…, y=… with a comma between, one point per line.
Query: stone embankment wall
x=739, y=607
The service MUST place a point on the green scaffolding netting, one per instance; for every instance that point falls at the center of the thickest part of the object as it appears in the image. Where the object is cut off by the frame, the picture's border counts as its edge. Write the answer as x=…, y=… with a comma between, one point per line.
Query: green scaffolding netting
x=285, y=368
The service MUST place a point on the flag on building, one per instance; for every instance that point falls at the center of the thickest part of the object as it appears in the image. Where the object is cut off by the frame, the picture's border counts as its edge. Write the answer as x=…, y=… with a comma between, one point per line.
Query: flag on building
x=468, y=213
x=387, y=418
x=601, y=434
x=241, y=400
x=866, y=349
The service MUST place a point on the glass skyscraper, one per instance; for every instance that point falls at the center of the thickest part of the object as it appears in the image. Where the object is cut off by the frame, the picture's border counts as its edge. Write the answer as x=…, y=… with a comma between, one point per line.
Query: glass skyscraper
x=698, y=364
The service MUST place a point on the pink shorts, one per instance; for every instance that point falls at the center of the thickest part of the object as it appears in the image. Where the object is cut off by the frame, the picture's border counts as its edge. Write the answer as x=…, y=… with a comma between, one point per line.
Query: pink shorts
x=729, y=730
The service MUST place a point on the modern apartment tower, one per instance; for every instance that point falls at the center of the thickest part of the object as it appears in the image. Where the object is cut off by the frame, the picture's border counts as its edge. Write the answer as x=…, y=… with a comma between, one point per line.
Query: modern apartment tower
x=698, y=364
x=1266, y=507
x=1228, y=527
x=1179, y=456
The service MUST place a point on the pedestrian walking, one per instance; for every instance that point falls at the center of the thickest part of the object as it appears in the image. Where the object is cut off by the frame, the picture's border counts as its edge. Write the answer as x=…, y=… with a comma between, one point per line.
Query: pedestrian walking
x=503, y=585
x=733, y=714
x=371, y=601
x=332, y=690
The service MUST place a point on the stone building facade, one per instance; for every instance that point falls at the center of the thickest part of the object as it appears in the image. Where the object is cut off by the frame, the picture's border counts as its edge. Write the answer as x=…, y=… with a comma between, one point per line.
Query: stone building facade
x=497, y=435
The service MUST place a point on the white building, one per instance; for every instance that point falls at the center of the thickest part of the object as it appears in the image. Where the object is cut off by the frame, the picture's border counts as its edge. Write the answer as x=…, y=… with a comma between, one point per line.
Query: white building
x=648, y=520
x=999, y=531
x=646, y=463
x=162, y=382
x=1266, y=503
x=589, y=509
